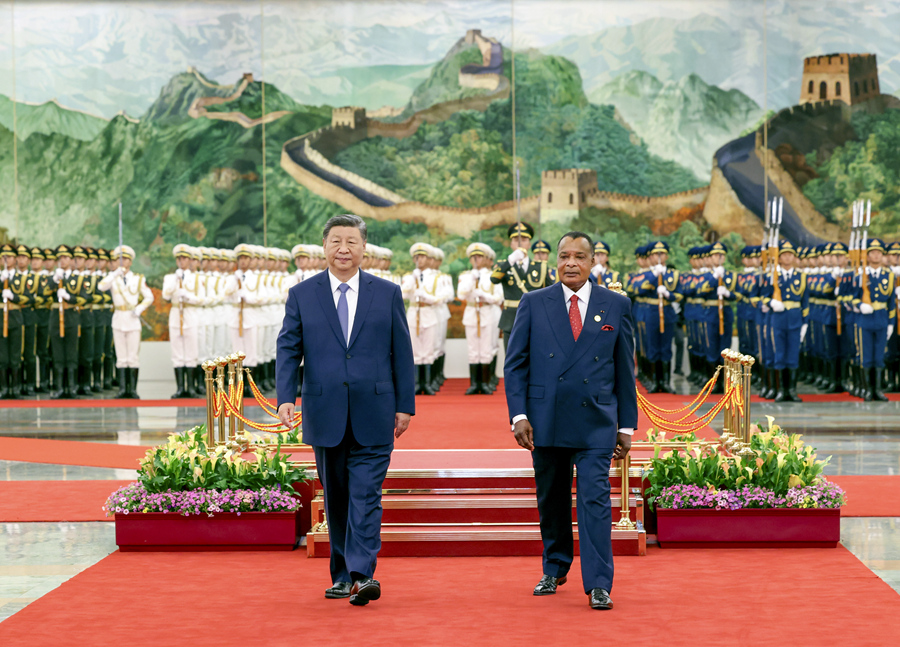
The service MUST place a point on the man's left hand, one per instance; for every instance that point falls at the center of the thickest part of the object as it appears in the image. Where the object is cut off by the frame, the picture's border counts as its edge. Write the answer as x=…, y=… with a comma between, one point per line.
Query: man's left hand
x=623, y=446
x=401, y=422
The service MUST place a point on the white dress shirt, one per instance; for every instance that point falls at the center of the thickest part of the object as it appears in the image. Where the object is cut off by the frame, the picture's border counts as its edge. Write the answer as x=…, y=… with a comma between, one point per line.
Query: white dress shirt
x=584, y=295
x=352, y=298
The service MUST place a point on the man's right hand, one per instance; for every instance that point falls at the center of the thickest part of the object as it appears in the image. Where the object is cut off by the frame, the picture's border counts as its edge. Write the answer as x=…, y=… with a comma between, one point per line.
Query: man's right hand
x=524, y=434
x=286, y=414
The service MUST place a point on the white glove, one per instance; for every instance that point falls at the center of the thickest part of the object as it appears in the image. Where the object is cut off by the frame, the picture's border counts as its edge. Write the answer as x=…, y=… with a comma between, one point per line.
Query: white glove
x=597, y=270
x=897, y=292
x=719, y=272
x=856, y=309
x=179, y=273
x=4, y=275
x=866, y=308
x=803, y=329
x=890, y=331
x=837, y=272
x=138, y=311
x=8, y=295
x=764, y=308
x=63, y=295
x=477, y=294
x=516, y=257
x=676, y=307
x=120, y=271
x=655, y=270
x=776, y=305
x=663, y=292
x=723, y=292
x=135, y=314
x=58, y=274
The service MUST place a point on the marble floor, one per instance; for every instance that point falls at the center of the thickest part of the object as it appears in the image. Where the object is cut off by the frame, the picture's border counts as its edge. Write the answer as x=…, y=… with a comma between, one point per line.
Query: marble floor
x=861, y=438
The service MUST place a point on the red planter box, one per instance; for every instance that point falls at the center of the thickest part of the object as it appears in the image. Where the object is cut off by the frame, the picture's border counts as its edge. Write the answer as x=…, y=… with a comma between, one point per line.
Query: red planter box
x=155, y=531
x=749, y=528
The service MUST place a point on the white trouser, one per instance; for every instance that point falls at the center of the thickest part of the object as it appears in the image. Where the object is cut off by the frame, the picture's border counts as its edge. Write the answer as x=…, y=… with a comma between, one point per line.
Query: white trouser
x=440, y=341
x=128, y=348
x=221, y=341
x=246, y=343
x=423, y=345
x=481, y=347
x=185, y=349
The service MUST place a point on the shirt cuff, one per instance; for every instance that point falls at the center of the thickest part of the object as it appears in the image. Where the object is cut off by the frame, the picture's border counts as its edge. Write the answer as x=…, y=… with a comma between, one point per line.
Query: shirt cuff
x=627, y=431
x=516, y=419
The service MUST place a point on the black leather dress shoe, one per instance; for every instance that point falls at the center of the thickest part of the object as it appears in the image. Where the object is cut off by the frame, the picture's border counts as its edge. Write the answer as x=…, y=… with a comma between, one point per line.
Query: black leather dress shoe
x=548, y=584
x=364, y=591
x=599, y=599
x=339, y=590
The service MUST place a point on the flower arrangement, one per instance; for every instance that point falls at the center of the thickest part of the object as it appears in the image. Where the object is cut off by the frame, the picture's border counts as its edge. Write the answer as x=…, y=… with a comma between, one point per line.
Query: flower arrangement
x=186, y=476
x=776, y=471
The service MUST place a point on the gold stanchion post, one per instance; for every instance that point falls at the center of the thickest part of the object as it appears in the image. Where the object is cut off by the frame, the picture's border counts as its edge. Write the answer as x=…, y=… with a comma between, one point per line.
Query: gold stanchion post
x=239, y=371
x=747, y=364
x=625, y=522
x=208, y=368
x=232, y=359
x=221, y=363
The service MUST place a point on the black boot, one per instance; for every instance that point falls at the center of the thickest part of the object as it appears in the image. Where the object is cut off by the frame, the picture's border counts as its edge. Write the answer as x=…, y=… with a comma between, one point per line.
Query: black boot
x=833, y=385
x=131, y=375
x=97, y=370
x=71, y=383
x=4, y=384
x=179, y=383
x=108, y=366
x=82, y=384
x=123, y=386
x=434, y=375
x=424, y=377
x=485, y=373
x=474, y=375
x=60, y=391
x=666, y=377
x=29, y=378
x=44, y=377
x=875, y=381
x=790, y=376
x=427, y=379
x=492, y=371
x=116, y=375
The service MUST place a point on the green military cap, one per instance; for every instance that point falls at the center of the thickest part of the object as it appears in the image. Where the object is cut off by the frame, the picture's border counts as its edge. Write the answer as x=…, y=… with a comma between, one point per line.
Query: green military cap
x=102, y=254
x=91, y=253
x=79, y=252
x=520, y=229
x=37, y=252
x=49, y=254
x=23, y=250
x=7, y=250
x=63, y=250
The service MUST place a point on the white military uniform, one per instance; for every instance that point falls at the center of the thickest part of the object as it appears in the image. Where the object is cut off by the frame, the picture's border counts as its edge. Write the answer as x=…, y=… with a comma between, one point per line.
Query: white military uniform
x=131, y=297
x=244, y=291
x=482, y=313
x=182, y=289
x=420, y=288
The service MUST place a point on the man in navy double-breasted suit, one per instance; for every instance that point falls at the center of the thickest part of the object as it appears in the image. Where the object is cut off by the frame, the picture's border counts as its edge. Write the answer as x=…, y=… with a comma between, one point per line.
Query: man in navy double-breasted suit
x=572, y=401
x=357, y=396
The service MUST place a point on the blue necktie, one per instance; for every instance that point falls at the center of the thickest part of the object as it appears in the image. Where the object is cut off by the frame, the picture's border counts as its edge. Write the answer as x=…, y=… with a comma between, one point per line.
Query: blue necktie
x=344, y=312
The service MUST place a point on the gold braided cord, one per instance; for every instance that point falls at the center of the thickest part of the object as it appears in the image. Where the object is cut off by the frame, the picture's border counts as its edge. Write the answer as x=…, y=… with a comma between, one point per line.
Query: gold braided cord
x=698, y=401
x=676, y=426
x=271, y=428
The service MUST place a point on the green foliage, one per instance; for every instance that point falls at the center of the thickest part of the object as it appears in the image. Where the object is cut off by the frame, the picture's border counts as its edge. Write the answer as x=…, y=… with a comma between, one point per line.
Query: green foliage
x=868, y=168
x=443, y=82
x=776, y=461
x=186, y=462
x=250, y=101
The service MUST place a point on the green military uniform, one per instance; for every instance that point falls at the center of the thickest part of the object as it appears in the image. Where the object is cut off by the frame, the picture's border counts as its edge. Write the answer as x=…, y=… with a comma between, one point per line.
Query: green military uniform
x=66, y=289
x=29, y=321
x=104, y=356
x=42, y=315
x=15, y=297
x=517, y=279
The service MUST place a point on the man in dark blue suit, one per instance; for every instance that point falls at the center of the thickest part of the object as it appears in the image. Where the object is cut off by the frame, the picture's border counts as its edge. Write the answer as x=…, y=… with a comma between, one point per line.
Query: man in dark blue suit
x=357, y=396
x=572, y=401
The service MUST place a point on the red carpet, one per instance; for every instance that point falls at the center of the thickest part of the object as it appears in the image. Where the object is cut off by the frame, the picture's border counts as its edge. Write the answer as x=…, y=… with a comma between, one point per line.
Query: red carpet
x=71, y=452
x=81, y=403
x=55, y=500
x=870, y=496
x=678, y=597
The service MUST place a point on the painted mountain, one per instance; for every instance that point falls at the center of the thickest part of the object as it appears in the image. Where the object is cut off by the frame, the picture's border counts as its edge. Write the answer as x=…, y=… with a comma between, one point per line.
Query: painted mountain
x=685, y=121
x=48, y=118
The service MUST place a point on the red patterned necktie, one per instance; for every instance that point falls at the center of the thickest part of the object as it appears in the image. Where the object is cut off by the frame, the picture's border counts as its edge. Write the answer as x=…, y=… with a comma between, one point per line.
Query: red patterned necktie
x=575, y=317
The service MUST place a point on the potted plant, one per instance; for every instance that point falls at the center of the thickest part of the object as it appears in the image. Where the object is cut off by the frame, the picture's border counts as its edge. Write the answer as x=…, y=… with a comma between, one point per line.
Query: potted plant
x=771, y=493
x=192, y=496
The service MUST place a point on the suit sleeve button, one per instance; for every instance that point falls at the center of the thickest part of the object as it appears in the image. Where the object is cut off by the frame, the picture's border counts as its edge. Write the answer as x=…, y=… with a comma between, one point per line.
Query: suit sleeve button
x=560, y=379
x=596, y=359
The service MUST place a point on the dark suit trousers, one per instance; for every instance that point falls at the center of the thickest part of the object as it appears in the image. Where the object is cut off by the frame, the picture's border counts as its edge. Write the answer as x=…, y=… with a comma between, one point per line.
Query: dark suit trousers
x=553, y=479
x=352, y=477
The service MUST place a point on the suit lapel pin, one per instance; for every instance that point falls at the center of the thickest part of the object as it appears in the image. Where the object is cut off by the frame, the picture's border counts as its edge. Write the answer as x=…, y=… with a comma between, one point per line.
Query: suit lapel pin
x=596, y=317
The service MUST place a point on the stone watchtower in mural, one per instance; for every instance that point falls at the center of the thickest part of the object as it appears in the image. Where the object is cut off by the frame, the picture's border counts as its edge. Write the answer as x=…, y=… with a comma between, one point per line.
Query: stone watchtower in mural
x=348, y=117
x=851, y=78
x=564, y=192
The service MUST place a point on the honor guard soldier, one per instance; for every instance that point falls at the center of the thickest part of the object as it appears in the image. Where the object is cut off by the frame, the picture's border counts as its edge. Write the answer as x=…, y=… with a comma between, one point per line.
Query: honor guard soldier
x=688, y=284
x=892, y=356
x=746, y=294
x=874, y=296
x=69, y=295
x=601, y=272
x=540, y=251
x=657, y=289
x=182, y=289
x=29, y=321
x=15, y=298
x=42, y=306
x=716, y=290
x=483, y=299
x=789, y=321
x=420, y=288
x=445, y=295
x=639, y=312
x=130, y=297
x=87, y=353
x=243, y=290
x=103, y=334
x=518, y=275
